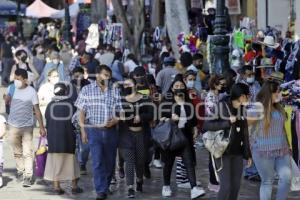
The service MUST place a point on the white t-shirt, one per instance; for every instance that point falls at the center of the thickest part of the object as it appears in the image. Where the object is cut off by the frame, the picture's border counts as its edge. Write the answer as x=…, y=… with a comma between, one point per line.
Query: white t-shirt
x=130, y=65
x=21, y=109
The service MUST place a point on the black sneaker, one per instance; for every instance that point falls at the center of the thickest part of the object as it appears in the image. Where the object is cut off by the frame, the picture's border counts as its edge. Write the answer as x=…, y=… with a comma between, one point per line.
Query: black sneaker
x=83, y=170
x=27, y=182
x=101, y=196
x=121, y=173
x=139, y=186
x=131, y=193
x=19, y=177
x=147, y=172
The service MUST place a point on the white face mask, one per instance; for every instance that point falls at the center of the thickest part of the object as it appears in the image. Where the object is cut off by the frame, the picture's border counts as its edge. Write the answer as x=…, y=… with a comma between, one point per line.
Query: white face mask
x=55, y=61
x=250, y=80
x=18, y=84
x=54, y=80
x=190, y=84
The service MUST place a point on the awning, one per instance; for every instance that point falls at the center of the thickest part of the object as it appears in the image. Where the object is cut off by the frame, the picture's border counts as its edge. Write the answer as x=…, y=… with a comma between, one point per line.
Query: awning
x=39, y=9
x=10, y=8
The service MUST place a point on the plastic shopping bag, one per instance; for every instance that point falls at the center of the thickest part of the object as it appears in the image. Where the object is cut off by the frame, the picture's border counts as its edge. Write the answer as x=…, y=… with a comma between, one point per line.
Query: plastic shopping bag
x=41, y=157
x=295, y=184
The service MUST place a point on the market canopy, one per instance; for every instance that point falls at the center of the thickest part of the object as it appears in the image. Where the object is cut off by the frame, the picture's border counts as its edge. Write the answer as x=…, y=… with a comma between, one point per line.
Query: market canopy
x=10, y=8
x=38, y=9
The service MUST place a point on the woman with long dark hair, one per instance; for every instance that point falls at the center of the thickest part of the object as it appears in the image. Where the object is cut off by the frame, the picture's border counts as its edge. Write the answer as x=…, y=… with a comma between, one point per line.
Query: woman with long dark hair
x=176, y=106
x=270, y=149
x=231, y=119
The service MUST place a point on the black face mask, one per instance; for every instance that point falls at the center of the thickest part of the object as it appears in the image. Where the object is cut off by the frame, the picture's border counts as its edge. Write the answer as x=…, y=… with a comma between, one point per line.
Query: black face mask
x=223, y=89
x=23, y=59
x=179, y=92
x=199, y=66
x=104, y=82
x=127, y=91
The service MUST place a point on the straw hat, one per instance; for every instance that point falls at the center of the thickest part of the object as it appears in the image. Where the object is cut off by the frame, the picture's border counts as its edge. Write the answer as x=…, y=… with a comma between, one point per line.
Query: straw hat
x=269, y=41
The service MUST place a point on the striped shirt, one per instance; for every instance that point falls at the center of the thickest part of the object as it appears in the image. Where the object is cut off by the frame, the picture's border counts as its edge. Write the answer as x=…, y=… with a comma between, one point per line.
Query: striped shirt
x=274, y=142
x=99, y=106
x=21, y=109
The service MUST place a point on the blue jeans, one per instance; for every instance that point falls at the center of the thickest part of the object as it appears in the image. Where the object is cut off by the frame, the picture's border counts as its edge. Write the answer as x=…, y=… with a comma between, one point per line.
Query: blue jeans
x=103, y=146
x=82, y=150
x=266, y=168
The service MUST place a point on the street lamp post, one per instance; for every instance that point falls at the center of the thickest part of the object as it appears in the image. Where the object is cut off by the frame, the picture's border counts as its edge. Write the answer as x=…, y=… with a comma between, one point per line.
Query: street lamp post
x=67, y=27
x=220, y=40
x=18, y=20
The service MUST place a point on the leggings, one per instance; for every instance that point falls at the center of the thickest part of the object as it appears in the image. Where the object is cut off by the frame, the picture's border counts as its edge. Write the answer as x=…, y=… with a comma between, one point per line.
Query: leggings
x=134, y=159
x=230, y=177
x=169, y=158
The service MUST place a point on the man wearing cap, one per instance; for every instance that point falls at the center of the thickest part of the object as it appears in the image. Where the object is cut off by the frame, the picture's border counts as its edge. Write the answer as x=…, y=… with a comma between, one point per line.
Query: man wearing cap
x=166, y=76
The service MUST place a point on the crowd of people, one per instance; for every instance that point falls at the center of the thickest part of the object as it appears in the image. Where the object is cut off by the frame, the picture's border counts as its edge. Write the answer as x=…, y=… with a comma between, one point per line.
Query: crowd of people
x=104, y=104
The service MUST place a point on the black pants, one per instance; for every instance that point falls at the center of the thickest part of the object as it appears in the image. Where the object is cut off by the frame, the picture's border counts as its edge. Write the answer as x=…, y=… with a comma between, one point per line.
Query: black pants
x=187, y=157
x=120, y=160
x=7, y=64
x=134, y=159
x=230, y=177
x=212, y=175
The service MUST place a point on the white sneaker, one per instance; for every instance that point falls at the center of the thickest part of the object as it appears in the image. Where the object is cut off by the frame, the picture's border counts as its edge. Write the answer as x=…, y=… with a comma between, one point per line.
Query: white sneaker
x=197, y=192
x=166, y=191
x=157, y=164
x=1, y=181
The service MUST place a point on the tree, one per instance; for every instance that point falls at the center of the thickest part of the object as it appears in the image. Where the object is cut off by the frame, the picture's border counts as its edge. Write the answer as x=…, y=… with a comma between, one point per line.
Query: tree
x=99, y=10
x=132, y=32
x=177, y=21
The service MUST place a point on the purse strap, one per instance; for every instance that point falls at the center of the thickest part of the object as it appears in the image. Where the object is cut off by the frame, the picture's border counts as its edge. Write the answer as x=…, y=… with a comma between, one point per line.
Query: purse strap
x=229, y=112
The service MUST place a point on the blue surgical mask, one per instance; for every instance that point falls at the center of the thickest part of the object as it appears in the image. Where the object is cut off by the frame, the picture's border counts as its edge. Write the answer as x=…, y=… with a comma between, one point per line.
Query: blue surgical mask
x=190, y=84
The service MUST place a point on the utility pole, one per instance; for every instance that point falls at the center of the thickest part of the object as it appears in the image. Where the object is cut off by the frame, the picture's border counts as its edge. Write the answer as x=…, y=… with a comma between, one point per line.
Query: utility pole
x=220, y=40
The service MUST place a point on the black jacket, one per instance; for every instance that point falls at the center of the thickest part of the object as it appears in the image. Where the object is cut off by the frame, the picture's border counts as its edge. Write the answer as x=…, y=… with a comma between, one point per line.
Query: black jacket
x=60, y=130
x=239, y=141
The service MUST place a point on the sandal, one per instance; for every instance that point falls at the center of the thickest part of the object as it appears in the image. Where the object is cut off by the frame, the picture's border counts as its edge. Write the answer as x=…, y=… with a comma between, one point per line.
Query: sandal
x=77, y=190
x=59, y=191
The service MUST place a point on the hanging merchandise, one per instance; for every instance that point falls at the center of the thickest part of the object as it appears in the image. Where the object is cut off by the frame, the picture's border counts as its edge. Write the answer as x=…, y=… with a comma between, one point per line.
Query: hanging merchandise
x=113, y=35
x=289, y=68
x=92, y=40
x=238, y=38
x=188, y=42
x=156, y=38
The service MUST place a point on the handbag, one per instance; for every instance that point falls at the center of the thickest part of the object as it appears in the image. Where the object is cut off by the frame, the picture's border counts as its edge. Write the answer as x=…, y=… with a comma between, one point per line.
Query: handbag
x=161, y=134
x=41, y=157
x=178, y=140
x=295, y=183
x=216, y=142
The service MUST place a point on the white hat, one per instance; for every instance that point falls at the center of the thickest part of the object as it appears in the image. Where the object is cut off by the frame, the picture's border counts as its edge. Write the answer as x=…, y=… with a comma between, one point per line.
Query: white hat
x=270, y=42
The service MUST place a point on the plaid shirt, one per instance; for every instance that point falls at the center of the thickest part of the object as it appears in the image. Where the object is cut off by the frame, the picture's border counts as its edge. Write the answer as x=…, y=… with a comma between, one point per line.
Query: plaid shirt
x=98, y=106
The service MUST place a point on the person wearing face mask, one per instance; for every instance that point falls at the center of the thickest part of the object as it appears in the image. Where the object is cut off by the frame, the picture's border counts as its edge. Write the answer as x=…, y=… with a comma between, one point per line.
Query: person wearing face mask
x=197, y=67
x=231, y=119
x=21, y=121
x=24, y=63
x=83, y=150
x=248, y=78
x=98, y=104
x=137, y=112
x=55, y=63
x=189, y=79
x=176, y=106
x=66, y=56
x=38, y=58
x=270, y=150
x=216, y=85
x=46, y=91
